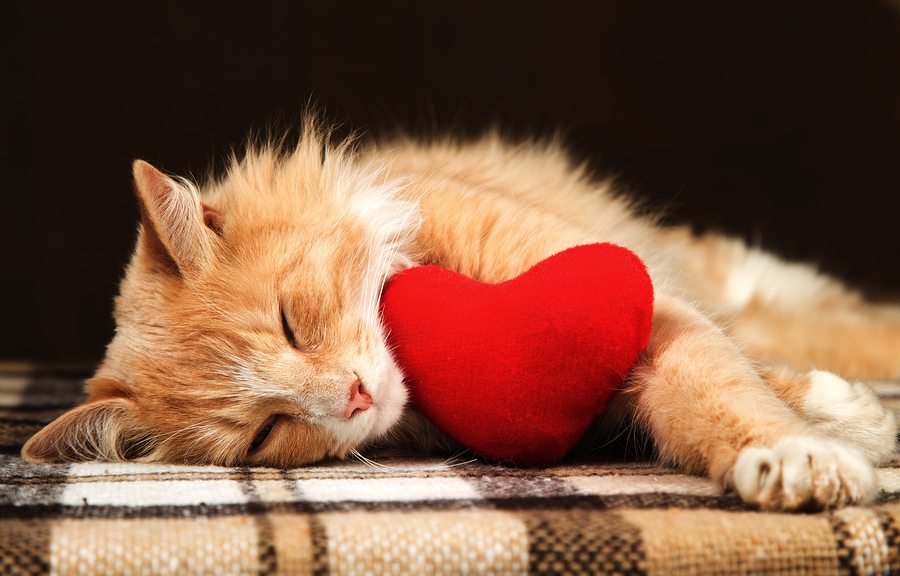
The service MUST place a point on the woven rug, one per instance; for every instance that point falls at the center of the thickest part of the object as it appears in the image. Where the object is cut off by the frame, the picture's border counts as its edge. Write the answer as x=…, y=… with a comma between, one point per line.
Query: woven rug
x=405, y=515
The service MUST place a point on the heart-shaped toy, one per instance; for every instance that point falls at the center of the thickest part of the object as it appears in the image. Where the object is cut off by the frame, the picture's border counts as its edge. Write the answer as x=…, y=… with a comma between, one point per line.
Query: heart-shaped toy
x=518, y=370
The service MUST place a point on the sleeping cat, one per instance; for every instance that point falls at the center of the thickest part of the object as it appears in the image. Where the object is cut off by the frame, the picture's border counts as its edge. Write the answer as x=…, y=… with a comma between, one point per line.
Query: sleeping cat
x=248, y=326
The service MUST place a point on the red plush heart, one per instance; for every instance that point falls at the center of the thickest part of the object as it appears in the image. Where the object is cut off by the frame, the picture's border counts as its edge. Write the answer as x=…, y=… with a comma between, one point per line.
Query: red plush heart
x=517, y=371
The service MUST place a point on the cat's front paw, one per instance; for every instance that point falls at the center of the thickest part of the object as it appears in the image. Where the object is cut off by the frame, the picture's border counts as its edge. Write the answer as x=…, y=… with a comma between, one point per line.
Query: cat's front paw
x=804, y=472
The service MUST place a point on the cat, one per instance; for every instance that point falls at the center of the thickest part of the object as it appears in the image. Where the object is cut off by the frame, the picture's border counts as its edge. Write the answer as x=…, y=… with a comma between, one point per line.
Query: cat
x=248, y=329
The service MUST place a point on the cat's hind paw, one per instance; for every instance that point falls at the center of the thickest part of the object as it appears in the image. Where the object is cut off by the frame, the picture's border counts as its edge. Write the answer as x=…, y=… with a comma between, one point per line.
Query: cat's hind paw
x=851, y=412
x=804, y=472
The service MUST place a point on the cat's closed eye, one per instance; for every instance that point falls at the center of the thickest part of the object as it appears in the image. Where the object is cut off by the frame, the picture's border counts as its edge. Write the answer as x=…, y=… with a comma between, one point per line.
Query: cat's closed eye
x=260, y=439
x=288, y=331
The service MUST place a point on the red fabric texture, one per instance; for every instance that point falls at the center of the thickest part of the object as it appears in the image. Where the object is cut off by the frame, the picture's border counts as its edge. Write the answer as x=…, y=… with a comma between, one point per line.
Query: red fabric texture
x=518, y=370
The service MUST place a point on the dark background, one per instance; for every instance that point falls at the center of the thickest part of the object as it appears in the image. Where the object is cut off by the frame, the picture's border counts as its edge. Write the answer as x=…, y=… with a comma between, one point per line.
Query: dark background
x=775, y=121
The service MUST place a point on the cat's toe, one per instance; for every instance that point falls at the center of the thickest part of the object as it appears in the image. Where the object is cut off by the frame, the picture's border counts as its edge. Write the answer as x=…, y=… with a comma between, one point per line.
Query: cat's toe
x=757, y=474
x=804, y=472
x=810, y=474
x=851, y=412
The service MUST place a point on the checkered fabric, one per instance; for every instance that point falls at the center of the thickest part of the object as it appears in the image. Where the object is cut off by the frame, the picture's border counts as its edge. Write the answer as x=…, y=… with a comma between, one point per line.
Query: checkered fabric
x=405, y=516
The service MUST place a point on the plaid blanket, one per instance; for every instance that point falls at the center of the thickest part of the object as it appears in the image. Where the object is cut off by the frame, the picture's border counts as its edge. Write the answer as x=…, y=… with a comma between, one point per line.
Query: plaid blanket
x=402, y=515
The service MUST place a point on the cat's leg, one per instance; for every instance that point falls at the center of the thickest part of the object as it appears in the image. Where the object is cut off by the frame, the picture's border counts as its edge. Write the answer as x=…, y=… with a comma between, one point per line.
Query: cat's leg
x=709, y=411
x=847, y=411
x=789, y=312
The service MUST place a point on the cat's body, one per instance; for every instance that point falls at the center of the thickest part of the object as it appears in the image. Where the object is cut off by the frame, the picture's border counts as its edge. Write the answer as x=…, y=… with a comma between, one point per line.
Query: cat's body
x=262, y=302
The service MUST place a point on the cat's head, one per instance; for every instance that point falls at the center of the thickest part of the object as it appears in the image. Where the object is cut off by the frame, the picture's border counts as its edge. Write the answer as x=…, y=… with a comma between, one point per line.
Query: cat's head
x=247, y=325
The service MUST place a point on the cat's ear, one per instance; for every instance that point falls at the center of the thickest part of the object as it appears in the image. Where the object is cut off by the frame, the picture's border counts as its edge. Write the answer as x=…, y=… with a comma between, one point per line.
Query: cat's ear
x=104, y=429
x=176, y=234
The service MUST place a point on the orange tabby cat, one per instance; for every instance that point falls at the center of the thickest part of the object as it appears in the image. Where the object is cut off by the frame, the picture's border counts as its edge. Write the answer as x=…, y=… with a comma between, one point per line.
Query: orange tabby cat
x=248, y=328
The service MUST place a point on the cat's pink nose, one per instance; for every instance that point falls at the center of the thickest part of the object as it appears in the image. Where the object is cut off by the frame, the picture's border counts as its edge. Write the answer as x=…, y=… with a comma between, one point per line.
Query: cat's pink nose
x=359, y=399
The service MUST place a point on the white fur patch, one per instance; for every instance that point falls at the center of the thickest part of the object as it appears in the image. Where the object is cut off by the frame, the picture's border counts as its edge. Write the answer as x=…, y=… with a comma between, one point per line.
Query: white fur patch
x=852, y=413
x=392, y=224
x=247, y=383
x=765, y=277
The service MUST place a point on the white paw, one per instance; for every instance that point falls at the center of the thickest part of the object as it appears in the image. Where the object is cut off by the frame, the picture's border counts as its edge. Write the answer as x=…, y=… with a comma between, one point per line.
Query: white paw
x=804, y=472
x=852, y=413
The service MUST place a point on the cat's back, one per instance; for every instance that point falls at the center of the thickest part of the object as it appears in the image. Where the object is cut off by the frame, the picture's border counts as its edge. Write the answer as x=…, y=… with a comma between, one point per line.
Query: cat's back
x=536, y=178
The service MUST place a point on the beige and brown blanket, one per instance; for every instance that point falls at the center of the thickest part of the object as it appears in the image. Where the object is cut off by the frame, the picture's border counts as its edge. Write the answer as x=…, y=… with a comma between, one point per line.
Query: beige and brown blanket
x=405, y=515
